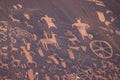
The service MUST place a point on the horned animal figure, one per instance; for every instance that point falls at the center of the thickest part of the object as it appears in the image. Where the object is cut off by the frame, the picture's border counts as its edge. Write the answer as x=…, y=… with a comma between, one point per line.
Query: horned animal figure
x=51, y=40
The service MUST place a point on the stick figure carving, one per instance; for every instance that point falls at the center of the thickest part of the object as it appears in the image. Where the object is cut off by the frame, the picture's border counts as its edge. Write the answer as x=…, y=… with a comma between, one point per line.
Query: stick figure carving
x=82, y=29
x=49, y=21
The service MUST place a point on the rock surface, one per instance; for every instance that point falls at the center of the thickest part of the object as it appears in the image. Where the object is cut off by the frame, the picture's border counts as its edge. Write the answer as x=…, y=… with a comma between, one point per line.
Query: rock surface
x=59, y=40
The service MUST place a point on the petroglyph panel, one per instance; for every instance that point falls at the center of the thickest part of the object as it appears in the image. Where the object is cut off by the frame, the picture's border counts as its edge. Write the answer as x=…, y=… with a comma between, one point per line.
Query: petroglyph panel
x=52, y=40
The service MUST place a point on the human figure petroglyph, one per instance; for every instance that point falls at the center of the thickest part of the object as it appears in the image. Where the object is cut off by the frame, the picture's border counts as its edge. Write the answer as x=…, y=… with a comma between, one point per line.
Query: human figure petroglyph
x=51, y=40
x=82, y=27
x=49, y=21
x=28, y=56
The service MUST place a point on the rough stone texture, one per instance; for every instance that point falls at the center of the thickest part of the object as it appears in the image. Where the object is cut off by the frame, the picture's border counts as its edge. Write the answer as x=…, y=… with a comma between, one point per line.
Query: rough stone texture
x=59, y=39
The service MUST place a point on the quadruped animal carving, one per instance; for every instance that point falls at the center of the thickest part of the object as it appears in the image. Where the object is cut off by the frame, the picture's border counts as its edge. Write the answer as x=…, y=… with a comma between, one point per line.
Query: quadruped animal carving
x=51, y=40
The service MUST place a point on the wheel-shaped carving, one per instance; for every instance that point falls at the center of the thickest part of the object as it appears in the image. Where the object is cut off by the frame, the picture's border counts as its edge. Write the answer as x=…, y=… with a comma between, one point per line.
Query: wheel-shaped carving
x=101, y=48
